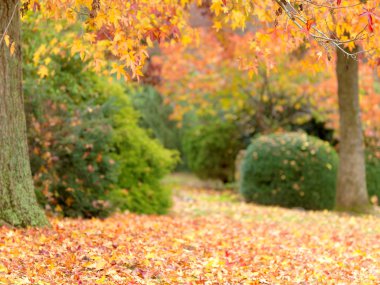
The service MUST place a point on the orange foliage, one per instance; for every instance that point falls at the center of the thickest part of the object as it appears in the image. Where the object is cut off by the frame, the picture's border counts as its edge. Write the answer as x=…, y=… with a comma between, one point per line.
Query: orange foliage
x=206, y=240
x=128, y=29
x=369, y=101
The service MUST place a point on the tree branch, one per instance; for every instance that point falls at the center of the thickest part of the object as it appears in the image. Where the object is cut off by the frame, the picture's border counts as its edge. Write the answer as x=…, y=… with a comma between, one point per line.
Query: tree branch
x=296, y=17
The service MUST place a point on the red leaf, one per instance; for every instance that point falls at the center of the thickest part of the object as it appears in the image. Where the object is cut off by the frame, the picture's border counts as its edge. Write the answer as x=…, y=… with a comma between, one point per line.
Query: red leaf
x=309, y=24
x=370, y=14
x=370, y=27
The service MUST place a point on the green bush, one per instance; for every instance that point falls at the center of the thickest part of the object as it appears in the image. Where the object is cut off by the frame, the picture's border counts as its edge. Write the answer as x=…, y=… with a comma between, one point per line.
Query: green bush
x=211, y=149
x=70, y=136
x=142, y=161
x=71, y=162
x=373, y=174
x=80, y=159
x=290, y=170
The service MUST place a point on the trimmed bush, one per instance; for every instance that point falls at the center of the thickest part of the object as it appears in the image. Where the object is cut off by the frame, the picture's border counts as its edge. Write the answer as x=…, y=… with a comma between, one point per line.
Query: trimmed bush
x=210, y=150
x=290, y=170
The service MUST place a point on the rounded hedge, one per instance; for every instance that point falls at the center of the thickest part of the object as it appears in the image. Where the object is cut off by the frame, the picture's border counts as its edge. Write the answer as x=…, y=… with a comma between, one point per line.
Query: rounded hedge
x=290, y=170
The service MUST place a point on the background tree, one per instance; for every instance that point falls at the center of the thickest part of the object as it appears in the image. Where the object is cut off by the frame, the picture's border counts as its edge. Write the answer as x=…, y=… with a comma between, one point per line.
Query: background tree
x=341, y=26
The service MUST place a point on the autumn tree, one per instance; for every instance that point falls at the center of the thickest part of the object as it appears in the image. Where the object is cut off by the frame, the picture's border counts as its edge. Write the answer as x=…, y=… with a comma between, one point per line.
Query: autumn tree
x=347, y=30
x=319, y=32
x=115, y=28
x=327, y=28
x=124, y=30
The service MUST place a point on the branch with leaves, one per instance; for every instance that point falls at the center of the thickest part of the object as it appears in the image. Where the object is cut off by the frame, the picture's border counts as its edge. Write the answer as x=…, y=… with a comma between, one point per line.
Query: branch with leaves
x=310, y=29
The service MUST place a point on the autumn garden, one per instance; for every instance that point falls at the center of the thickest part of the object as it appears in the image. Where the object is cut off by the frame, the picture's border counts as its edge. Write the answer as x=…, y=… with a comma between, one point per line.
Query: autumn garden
x=189, y=142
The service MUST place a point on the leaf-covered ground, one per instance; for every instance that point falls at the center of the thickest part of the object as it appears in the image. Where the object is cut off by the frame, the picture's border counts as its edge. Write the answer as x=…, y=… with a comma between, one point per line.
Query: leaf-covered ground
x=209, y=238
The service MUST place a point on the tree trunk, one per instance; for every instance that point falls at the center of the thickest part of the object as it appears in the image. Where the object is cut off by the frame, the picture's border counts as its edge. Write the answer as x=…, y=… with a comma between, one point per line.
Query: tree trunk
x=351, y=186
x=18, y=204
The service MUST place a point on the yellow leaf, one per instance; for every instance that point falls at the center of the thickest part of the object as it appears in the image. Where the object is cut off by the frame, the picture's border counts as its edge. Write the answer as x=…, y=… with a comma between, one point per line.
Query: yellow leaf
x=217, y=25
x=47, y=60
x=43, y=71
x=58, y=27
x=186, y=40
x=149, y=42
x=251, y=73
x=97, y=265
x=216, y=7
x=58, y=208
x=101, y=280
x=7, y=40
x=12, y=48
x=3, y=268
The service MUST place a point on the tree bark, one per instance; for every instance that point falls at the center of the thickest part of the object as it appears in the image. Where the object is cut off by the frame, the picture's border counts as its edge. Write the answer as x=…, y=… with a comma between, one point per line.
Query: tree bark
x=351, y=184
x=18, y=204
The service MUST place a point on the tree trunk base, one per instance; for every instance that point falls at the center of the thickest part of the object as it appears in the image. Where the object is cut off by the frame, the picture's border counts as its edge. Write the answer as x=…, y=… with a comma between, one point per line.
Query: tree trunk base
x=359, y=210
x=18, y=204
x=351, y=195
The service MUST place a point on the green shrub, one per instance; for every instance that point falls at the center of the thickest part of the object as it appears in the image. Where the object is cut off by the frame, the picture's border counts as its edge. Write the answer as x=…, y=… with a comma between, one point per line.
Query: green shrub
x=70, y=137
x=142, y=161
x=290, y=170
x=211, y=149
x=143, y=199
x=70, y=159
x=373, y=174
x=82, y=157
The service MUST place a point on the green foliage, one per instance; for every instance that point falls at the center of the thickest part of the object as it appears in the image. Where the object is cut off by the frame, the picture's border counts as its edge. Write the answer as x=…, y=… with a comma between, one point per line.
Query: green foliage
x=373, y=174
x=143, y=161
x=210, y=150
x=70, y=137
x=290, y=170
x=155, y=115
x=85, y=141
x=70, y=159
x=143, y=199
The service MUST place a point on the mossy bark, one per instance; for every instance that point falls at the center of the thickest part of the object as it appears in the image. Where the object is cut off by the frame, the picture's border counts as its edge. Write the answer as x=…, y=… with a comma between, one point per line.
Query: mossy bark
x=18, y=204
x=351, y=193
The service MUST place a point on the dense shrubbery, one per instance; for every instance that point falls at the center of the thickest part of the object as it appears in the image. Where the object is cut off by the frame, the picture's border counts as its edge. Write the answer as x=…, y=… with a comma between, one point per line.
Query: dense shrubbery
x=211, y=149
x=143, y=161
x=70, y=138
x=85, y=142
x=290, y=170
x=70, y=159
